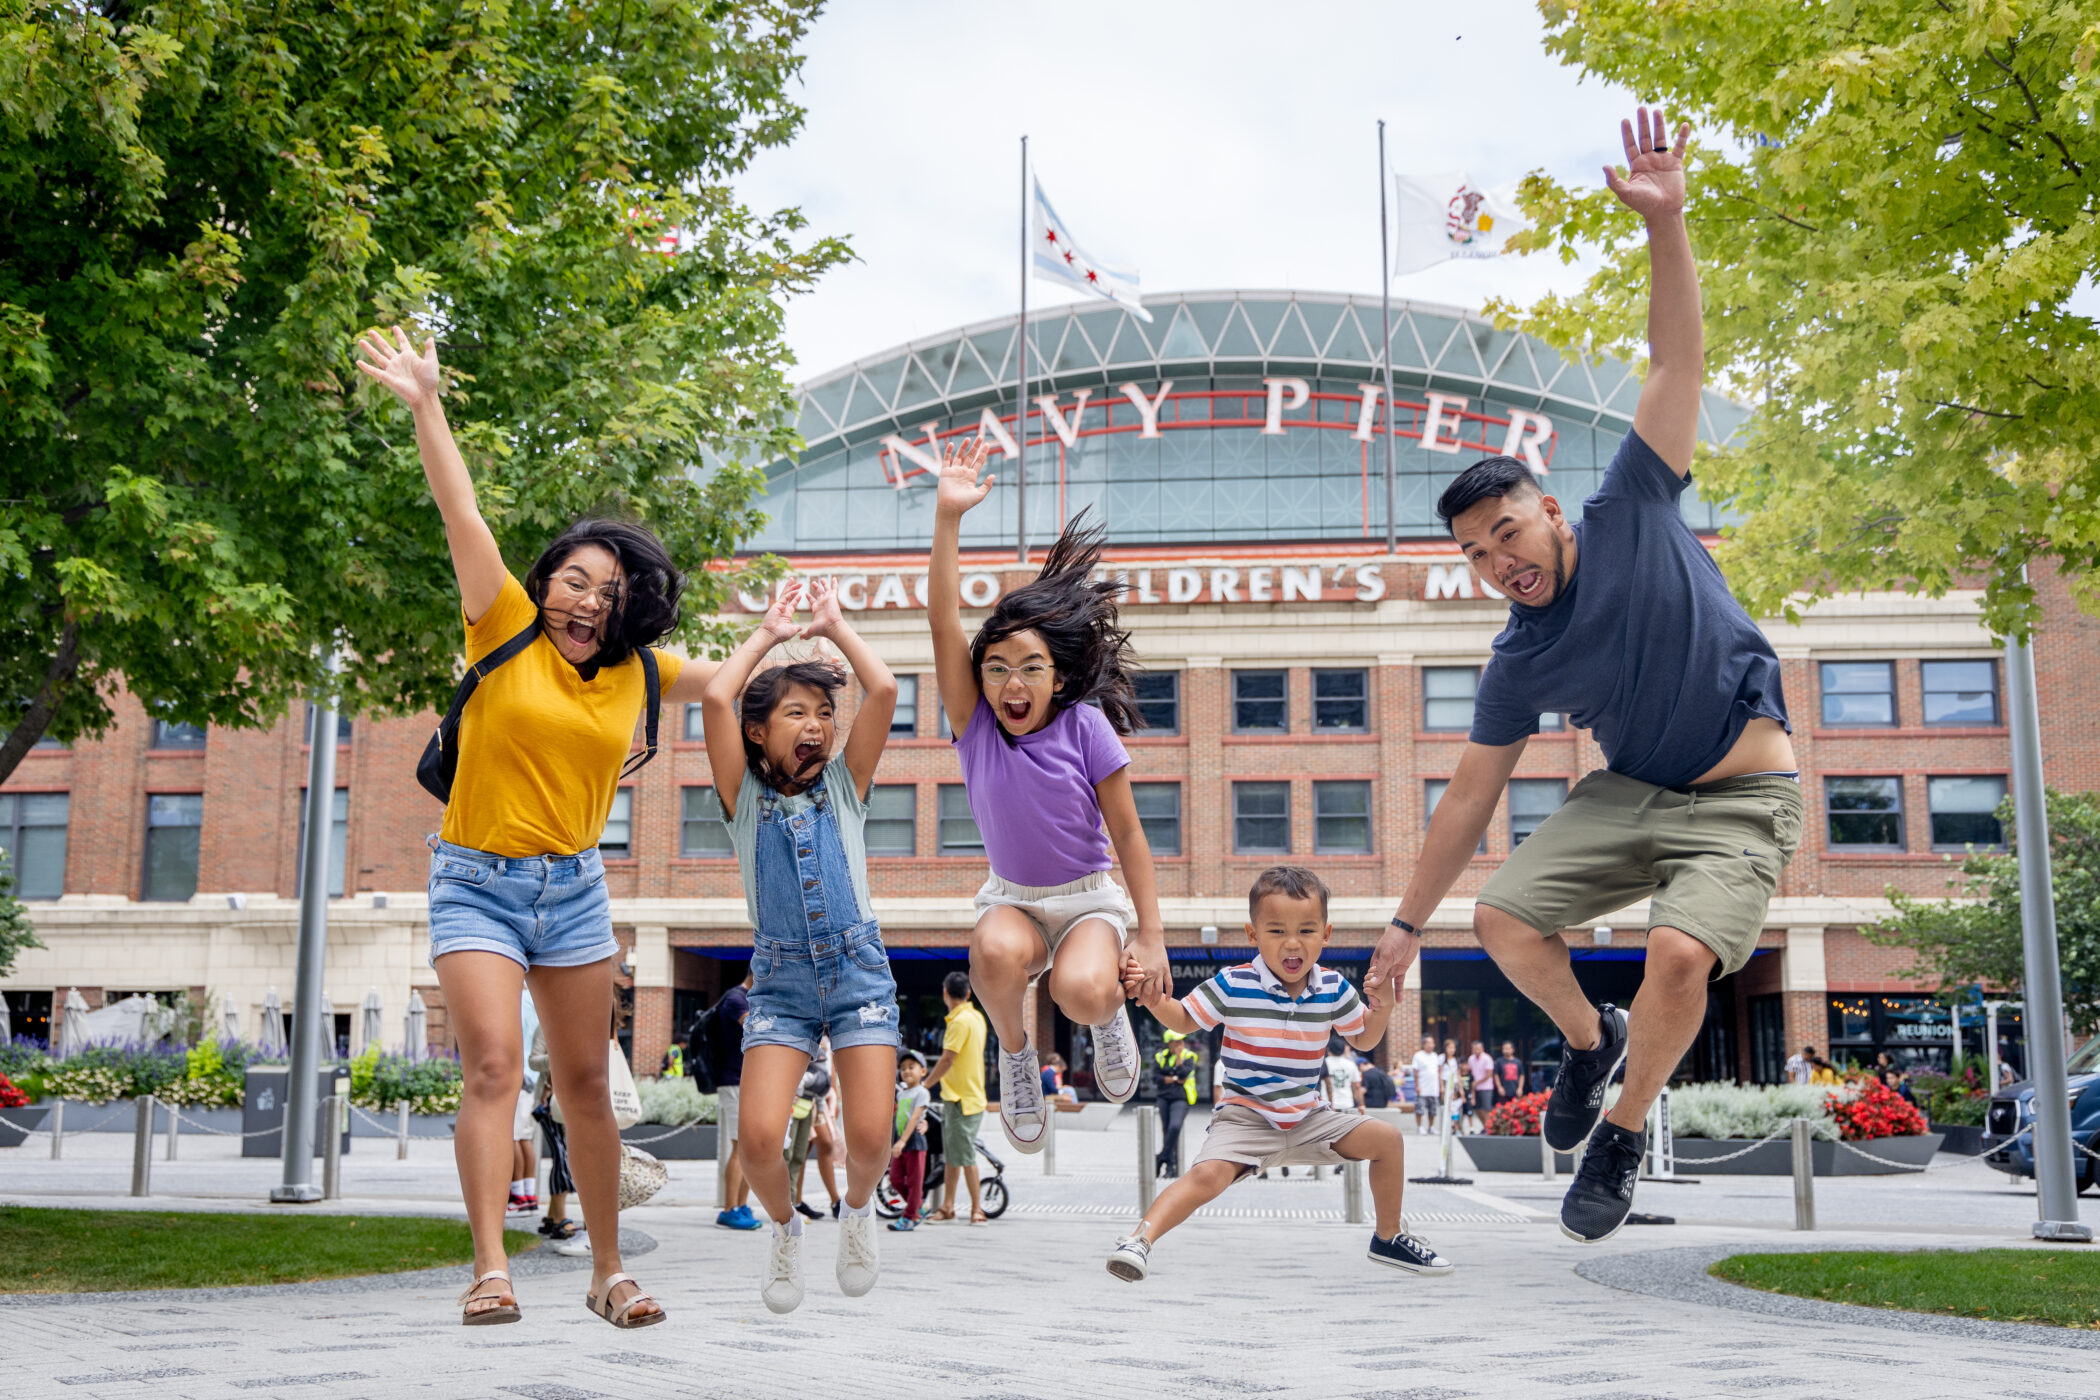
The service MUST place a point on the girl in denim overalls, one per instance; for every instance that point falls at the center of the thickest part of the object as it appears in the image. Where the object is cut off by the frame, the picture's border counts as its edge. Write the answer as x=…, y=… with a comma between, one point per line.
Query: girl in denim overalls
x=817, y=958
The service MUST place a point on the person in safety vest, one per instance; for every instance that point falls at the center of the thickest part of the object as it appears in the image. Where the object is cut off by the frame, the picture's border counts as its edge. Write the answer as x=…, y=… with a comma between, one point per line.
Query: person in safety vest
x=1177, y=1064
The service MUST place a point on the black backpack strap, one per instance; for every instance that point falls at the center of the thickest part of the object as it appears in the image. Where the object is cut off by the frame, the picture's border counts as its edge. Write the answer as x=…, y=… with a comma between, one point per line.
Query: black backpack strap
x=479, y=671
x=654, y=684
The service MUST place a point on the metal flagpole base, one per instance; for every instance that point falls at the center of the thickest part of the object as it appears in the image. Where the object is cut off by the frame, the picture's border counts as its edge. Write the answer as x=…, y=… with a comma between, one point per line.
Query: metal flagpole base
x=2063, y=1231
x=302, y=1194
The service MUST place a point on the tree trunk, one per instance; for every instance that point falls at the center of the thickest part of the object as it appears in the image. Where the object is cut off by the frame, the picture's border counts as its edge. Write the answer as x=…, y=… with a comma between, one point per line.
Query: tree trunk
x=65, y=664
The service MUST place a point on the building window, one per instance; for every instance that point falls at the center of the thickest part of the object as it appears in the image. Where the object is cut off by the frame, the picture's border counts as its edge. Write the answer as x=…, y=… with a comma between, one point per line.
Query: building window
x=617, y=841
x=1859, y=693
x=1433, y=793
x=33, y=833
x=904, y=720
x=338, y=842
x=1341, y=702
x=173, y=821
x=695, y=724
x=1159, y=813
x=959, y=834
x=1447, y=697
x=1259, y=703
x=167, y=734
x=1261, y=819
x=1159, y=700
x=342, y=728
x=940, y=718
x=701, y=831
x=892, y=827
x=1864, y=813
x=1531, y=801
x=1965, y=812
x=1961, y=692
x=1342, y=817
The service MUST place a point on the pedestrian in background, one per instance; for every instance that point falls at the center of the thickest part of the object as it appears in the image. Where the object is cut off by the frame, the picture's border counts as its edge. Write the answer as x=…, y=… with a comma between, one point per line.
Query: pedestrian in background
x=1800, y=1066
x=1480, y=1072
x=1509, y=1074
x=908, y=1152
x=1379, y=1089
x=1176, y=1066
x=960, y=1074
x=723, y=1025
x=1427, y=1068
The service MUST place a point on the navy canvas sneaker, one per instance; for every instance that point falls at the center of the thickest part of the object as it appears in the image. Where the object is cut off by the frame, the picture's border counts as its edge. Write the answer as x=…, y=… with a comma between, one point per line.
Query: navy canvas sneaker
x=1408, y=1253
x=1602, y=1196
x=1577, y=1105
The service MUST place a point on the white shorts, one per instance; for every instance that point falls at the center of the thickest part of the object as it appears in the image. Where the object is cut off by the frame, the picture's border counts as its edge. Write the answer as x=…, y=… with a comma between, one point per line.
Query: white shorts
x=1057, y=909
x=522, y=1128
x=726, y=1097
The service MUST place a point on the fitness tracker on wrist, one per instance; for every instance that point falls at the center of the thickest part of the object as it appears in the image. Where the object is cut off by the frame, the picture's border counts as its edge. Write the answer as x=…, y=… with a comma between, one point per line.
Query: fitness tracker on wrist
x=1405, y=927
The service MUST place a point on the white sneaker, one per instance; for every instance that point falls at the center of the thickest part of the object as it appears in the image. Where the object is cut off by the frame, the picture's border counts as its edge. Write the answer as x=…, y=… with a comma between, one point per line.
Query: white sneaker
x=576, y=1246
x=1129, y=1260
x=1021, y=1110
x=858, y=1263
x=1116, y=1057
x=781, y=1284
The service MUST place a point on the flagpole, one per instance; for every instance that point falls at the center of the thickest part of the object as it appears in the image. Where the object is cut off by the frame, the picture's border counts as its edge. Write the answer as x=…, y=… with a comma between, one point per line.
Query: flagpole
x=1385, y=346
x=1021, y=384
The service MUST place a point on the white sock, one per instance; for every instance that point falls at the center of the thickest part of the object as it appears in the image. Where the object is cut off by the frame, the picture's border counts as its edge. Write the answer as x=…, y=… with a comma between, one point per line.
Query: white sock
x=866, y=1207
x=521, y=1186
x=792, y=1226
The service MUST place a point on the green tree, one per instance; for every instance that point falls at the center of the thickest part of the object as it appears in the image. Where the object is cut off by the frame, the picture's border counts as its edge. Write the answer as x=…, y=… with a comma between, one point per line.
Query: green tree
x=1975, y=936
x=16, y=932
x=1892, y=202
x=203, y=202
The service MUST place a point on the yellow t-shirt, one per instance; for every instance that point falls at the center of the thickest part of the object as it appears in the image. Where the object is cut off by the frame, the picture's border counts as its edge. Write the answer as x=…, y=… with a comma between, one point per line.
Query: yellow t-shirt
x=963, y=1084
x=540, y=748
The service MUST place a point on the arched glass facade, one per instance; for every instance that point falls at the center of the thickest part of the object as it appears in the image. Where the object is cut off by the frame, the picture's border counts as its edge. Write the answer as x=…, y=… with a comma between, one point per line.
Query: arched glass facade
x=1234, y=416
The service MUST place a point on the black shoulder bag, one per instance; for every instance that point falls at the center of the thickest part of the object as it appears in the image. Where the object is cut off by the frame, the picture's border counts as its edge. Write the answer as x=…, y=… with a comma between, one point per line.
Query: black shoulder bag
x=440, y=760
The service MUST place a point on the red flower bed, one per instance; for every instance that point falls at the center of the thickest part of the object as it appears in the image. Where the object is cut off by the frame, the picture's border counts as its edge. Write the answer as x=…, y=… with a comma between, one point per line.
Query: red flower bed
x=10, y=1096
x=1878, y=1112
x=1517, y=1118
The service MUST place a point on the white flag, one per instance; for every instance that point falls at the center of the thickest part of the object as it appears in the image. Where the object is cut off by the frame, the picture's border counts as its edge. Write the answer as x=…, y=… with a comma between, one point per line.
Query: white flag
x=1059, y=258
x=1450, y=216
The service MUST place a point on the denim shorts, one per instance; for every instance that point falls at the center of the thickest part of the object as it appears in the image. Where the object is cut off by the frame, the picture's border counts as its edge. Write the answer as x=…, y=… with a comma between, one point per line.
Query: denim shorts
x=835, y=984
x=538, y=911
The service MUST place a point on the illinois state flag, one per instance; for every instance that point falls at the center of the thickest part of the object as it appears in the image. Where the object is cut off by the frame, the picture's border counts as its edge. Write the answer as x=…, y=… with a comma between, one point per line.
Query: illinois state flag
x=1059, y=258
x=1450, y=216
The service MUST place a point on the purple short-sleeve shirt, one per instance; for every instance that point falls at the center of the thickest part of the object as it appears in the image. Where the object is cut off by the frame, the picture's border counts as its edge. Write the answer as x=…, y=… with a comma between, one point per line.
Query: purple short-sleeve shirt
x=1034, y=798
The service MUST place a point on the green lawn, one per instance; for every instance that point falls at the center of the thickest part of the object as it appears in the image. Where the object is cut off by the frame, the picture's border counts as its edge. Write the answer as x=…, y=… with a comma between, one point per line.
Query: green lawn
x=92, y=1251
x=2060, y=1286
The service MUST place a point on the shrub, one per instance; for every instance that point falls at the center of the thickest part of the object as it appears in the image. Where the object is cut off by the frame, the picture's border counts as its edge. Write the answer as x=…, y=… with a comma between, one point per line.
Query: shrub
x=1748, y=1110
x=428, y=1086
x=100, y=1073
x=214, y=1075
x=672, y=1102
x=24, y=1055
x=1878, y=1112
x=10, y=1096
x=1959, y=1099
x=1517, y=1118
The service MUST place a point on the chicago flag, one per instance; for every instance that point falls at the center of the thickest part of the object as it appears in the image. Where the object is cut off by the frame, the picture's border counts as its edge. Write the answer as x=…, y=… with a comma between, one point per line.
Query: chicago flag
x=1059, y=257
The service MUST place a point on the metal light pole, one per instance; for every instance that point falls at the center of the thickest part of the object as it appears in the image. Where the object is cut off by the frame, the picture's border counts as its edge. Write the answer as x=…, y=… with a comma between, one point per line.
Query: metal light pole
x=312, y=1011
x=2056, y=1186
x=1385, y=348
x=1021, y=380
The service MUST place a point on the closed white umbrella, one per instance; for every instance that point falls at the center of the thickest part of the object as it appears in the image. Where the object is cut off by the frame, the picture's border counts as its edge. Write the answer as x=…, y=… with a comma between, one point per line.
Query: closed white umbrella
x=7, y=1028
x=271, y=1042
x=231, y=1015
x=415, y=1043
x=73, y=1027
x=370, y=1031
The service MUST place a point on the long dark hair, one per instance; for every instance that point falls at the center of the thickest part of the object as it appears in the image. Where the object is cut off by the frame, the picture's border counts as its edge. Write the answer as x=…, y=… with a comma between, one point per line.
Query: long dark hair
x=645, y=607
x=1076, y=618
x=763, y=694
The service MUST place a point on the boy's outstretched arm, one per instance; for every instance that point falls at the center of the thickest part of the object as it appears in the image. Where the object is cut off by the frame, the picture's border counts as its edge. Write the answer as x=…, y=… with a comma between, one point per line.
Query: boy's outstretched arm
x=1652, y=186
x=1163, y=1004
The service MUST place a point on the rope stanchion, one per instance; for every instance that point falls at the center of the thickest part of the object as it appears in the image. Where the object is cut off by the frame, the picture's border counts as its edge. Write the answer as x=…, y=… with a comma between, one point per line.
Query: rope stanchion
x=665, y=1135
x=393, y=1130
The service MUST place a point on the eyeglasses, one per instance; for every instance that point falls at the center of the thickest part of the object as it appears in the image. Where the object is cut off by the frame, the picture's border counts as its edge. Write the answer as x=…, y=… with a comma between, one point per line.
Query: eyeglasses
x=1034, y=673
x=575, y=590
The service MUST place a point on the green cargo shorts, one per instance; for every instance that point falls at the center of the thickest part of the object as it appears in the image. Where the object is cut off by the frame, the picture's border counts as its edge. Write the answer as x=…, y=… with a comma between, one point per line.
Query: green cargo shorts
x=1707, y=859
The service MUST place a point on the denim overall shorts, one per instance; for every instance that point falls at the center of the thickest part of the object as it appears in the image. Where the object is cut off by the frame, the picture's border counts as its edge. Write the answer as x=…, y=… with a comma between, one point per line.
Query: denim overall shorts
x=817, y=967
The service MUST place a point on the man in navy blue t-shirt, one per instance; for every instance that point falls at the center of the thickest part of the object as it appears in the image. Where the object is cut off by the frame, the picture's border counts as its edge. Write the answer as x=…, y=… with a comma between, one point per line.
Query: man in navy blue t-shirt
x=1622, y=622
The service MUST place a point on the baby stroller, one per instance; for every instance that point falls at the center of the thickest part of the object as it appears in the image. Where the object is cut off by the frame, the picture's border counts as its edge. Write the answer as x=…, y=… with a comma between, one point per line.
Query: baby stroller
x=889, y=1201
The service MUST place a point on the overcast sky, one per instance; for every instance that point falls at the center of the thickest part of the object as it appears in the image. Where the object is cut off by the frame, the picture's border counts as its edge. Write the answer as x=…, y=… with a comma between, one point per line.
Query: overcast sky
x=1211, y=145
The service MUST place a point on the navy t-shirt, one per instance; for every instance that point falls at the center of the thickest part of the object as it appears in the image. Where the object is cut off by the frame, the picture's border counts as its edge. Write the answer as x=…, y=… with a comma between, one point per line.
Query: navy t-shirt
x=1645, y=645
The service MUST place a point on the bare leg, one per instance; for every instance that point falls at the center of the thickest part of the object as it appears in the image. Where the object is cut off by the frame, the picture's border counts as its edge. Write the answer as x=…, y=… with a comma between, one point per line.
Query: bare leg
x=1664, y=1021
x=736, y=1190
x=1385, y=1148
x=1087, y=980
x=1191, y=1191
x=826, y=1139
x=867, y=1102
x=772, y=1076
x=1539, y=967
x=1006, y=949
x=481, y=1001
x=976, y=1195
x=576, y=1006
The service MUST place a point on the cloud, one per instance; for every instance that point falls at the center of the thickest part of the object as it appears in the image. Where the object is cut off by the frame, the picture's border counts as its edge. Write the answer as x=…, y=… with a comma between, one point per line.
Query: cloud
x=1220, y=144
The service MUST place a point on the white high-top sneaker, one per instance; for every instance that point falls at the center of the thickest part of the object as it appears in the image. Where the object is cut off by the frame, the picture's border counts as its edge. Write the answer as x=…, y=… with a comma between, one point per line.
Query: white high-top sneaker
x=1116, y=1057
x=858, y=1261
x=1022, y=1111
x=781, y=1284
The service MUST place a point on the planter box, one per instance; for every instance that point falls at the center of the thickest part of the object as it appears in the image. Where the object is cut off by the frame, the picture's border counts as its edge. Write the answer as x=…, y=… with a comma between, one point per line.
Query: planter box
x=1960, y=1138
x=15, y=1123
x=1494, y=1152
x=694, y=1144
x=1776, y=1158
x=122, y=1116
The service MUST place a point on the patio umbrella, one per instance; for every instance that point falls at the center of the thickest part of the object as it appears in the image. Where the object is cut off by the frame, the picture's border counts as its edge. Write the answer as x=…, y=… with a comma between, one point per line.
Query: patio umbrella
x=231, y=1014
x=271, y=1042
x=73, y=1029
x=7, y=1029
x=415, y=1042
x=372, y=1007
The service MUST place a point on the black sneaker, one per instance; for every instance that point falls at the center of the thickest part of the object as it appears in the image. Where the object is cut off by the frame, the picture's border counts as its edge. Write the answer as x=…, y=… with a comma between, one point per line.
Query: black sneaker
x=802, y=1209
x=1598, y=1203
x=1577, y=1105
x=1409, y=1253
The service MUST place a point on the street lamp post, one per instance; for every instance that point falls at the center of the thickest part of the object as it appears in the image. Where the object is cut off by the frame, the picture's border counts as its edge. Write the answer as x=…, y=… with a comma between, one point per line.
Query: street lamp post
x=311, y=1006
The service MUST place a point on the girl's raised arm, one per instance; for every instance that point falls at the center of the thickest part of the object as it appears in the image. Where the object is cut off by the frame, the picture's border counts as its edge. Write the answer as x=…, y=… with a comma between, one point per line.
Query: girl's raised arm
x=871, y=723
x=959, y=490
x=414, y=378
x=718, y=703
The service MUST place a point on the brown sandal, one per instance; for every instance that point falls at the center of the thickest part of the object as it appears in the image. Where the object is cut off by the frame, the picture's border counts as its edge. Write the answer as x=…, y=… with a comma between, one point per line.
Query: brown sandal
x=618, y=1317
x=938, y=1217
x=502, y=1304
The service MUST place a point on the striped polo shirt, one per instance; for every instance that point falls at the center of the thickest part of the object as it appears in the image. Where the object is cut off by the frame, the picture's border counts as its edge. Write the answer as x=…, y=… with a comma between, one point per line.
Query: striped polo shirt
x=1274, y=1042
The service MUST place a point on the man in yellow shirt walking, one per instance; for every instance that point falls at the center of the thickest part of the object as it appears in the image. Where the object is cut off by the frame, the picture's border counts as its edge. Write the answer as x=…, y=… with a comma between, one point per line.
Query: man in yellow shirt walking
x=960, y=1073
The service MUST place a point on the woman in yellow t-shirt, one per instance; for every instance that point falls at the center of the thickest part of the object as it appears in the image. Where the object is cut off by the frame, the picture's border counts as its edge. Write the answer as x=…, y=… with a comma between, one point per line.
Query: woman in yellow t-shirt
x=517, y=889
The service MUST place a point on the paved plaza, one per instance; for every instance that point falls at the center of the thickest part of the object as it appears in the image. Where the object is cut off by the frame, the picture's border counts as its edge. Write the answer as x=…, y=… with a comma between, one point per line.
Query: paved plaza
x=1267, y=1294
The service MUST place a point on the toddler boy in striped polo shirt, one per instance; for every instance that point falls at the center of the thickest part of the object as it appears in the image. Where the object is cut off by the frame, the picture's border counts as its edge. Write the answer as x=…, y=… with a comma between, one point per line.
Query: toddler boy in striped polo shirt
x=1278, y=1011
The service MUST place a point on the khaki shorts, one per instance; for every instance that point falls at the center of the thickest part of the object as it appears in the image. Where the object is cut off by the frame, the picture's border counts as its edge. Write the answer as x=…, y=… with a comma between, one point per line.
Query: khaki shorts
x=1707, y=859
x=1239, y=1134
x=522, y=1128
x=1058, y=909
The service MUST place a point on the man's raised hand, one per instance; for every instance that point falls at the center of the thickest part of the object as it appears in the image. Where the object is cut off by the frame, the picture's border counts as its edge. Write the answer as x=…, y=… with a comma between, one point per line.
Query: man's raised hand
x=958, y=488
x=414, y=378
x=1652, y=185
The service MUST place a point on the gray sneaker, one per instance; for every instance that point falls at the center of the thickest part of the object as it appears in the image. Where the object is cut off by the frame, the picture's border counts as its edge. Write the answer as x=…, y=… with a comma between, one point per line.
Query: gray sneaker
x=1602, y=1196
x=1577, y=1103
x=1128, y=1261
x=1116, y=1064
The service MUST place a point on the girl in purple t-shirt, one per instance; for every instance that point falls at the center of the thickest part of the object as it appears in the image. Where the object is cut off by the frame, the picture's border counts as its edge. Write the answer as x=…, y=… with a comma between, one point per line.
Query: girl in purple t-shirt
x=1046, y=773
